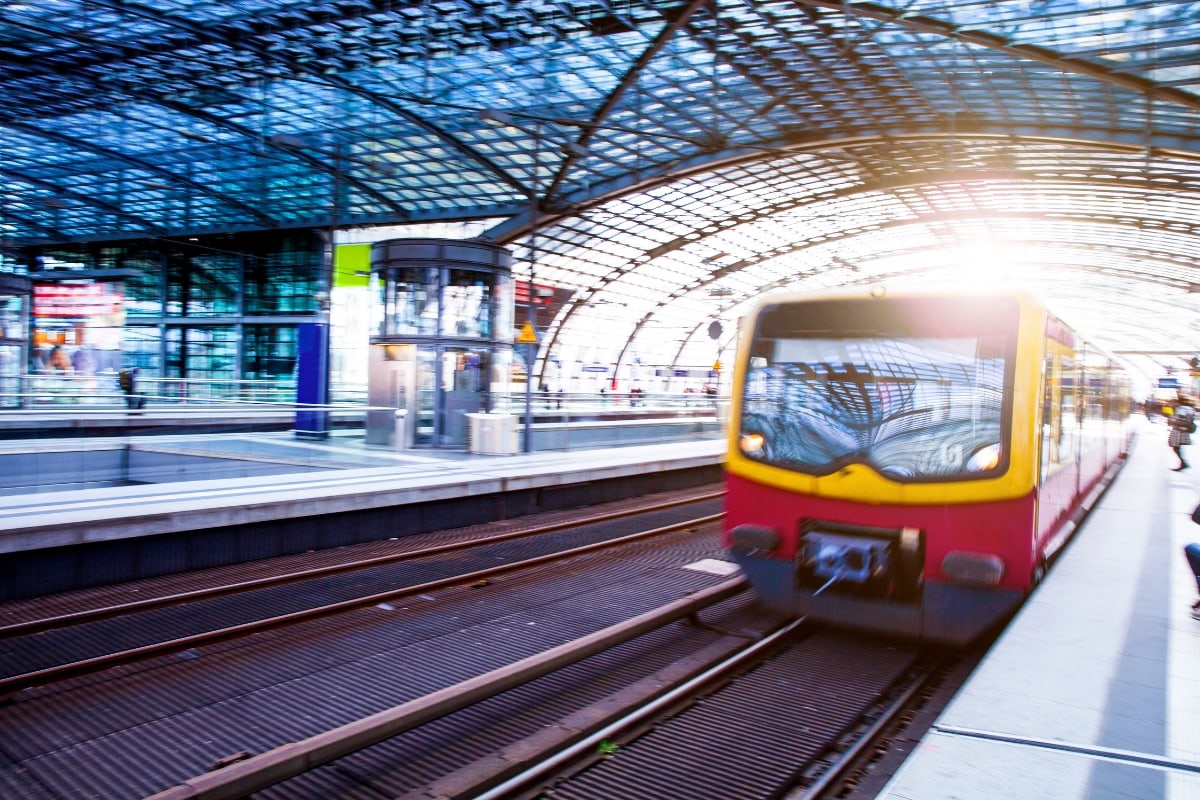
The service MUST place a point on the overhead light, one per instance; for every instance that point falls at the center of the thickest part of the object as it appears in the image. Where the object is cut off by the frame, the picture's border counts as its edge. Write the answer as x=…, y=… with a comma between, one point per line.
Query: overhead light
x=494, y=115
x=380, y=166
x=287, y=140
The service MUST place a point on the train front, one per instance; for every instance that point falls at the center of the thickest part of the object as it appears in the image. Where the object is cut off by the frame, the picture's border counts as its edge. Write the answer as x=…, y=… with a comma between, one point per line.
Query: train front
x=870, y=475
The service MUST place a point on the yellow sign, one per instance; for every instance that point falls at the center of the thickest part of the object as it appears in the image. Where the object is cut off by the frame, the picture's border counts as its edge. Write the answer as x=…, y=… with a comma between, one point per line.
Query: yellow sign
x=528, y=336
x=717, y=365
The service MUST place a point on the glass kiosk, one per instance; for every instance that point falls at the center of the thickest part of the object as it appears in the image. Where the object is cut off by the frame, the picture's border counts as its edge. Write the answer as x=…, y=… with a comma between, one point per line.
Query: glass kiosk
x=441, y=343
x=15, y=294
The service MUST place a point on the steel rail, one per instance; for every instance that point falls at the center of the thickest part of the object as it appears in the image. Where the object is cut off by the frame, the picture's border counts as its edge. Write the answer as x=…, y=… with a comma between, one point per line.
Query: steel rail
x=592, y=740
x=91, y=665
x=243, y=778
x=849, y=758
x=179, y=598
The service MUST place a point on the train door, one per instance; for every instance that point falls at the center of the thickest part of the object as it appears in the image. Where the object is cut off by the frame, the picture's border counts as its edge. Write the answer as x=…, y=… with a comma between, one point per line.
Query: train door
x=1058, y=473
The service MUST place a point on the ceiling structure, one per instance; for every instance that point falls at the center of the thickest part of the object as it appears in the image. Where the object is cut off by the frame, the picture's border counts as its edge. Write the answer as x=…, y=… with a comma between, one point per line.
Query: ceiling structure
x=668, y=160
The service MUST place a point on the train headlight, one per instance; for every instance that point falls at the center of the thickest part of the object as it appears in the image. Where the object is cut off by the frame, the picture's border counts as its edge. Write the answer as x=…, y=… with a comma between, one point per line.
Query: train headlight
x=986, y=459
x=754, y=538
x=973, y=569
x=752, y=443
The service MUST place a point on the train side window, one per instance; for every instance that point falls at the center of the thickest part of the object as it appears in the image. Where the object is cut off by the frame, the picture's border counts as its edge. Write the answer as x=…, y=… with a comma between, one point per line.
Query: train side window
x=1070, y=408
x=1051, y=418
x=1060, y=406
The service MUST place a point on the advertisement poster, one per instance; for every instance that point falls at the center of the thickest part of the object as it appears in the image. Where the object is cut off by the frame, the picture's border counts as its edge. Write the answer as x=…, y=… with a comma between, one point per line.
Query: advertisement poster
x=77, y=328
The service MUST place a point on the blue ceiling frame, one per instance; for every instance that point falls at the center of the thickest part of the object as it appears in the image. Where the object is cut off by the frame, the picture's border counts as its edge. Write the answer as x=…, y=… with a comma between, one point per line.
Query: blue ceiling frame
x=124, y=120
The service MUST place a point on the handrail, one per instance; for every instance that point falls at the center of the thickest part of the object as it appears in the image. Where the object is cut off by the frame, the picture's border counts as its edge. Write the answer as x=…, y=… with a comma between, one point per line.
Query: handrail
x=39, y=390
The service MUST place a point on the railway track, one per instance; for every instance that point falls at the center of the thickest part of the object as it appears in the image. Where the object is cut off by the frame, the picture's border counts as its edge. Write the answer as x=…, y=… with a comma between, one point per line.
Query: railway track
x=527, y=684
x=801, y=722
x=81, y=641
x=139, y=729
x=793, y=712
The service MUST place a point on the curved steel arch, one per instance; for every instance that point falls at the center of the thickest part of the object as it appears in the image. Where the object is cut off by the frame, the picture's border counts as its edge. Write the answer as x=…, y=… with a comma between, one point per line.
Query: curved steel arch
x=59, y=191
x=1156, y=143
x=142, y=164
x=849, y=234
x=663, y=93
x=203, y=35
x=981, y=38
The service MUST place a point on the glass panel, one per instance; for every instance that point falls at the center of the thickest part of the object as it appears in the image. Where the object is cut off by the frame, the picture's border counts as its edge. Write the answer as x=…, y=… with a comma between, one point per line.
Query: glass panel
x=410, y=302
x=10, y=376
x=1051, y=416
x=283, y=281
x=142, y=349
x=464, y=391
x=921, y=403
x=202, y=353
x=210, y=285
x=1068, y=403
x=503, y=330
x=144, y=290
x=12, y=318
x=269, y=352
x=500, y=382
x=426, y=396
x=467, y=303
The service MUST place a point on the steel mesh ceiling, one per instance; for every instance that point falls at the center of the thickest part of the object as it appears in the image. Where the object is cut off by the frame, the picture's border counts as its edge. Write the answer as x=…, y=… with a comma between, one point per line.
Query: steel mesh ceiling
x=682, y=156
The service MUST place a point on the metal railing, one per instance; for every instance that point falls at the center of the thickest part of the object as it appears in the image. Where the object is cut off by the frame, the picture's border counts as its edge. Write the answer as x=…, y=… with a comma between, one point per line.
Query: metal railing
x=55, y=406
x=50, y=390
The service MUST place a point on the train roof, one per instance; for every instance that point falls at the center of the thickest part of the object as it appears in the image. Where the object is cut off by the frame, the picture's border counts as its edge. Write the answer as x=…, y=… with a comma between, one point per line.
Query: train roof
x=1027, y=299
x=879, y=291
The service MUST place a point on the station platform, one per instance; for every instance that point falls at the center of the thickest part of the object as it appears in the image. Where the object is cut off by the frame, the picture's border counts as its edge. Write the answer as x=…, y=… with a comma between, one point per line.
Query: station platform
x=1093, y=690
x=273, y=494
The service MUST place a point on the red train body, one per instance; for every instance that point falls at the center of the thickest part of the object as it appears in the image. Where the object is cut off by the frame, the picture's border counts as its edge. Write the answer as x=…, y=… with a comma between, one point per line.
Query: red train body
x=910, y=465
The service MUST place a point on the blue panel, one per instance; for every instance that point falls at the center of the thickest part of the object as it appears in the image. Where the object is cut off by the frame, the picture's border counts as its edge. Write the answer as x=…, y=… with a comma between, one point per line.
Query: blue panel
x=312, y=379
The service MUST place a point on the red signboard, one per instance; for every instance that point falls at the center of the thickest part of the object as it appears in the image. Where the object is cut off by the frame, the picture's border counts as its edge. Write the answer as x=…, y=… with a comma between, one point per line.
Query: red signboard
x=543, y=295
x=74, y=300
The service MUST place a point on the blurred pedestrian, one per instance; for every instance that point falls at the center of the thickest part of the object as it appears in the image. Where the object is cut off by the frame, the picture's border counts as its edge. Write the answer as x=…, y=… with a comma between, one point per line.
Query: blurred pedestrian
x=127, y=380
x=1181, y=424
x=1192, y=552
x=60, y=360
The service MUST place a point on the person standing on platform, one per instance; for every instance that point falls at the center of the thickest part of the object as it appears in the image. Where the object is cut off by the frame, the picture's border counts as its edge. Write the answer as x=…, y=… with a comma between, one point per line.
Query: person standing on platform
x=127, y=379
x=1192, y=552
x=1181, y=424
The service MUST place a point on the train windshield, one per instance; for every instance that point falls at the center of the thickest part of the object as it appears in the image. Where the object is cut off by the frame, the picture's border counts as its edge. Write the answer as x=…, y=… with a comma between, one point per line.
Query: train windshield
x=918, y=393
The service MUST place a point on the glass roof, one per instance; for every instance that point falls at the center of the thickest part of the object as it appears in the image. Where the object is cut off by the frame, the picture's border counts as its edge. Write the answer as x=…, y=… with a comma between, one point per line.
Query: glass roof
x=682, y=157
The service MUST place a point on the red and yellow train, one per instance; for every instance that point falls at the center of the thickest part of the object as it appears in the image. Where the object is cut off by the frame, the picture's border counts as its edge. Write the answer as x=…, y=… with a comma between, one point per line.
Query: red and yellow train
x=910, y=464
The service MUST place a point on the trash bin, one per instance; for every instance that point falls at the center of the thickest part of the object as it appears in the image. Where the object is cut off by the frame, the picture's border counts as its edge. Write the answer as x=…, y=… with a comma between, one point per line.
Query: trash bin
x=492, y=434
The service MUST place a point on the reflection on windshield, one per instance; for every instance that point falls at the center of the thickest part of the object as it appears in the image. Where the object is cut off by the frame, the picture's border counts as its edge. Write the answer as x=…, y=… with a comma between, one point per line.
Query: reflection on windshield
x=911, y=408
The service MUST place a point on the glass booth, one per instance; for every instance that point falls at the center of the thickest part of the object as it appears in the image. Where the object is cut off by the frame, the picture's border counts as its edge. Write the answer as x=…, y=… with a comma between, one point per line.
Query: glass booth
x=15, y=294
x=441, y=343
